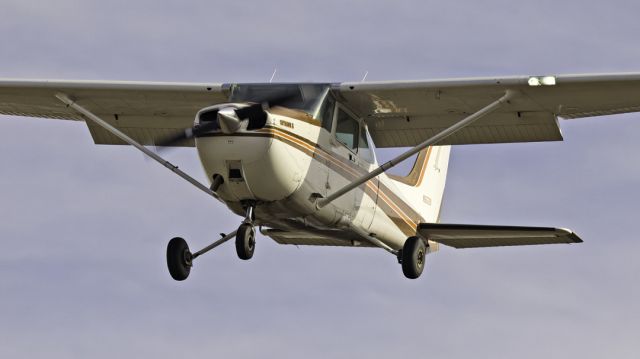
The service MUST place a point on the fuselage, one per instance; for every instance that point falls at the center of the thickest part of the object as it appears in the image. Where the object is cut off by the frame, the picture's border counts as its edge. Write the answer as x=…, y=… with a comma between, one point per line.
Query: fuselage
x=286, y=165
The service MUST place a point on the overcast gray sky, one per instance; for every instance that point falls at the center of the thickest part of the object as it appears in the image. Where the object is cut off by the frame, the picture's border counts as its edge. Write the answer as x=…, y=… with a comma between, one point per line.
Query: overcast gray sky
x=84, y=227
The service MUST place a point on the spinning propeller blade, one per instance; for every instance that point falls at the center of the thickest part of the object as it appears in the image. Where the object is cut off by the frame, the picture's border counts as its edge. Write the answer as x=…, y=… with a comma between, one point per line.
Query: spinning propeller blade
x=188, y=134
x=255, y=113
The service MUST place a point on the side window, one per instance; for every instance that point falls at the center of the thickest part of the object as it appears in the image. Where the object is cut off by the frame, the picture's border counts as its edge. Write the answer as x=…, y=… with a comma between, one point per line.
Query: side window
x=364, y=150
x=326, y=113
x=347, y=130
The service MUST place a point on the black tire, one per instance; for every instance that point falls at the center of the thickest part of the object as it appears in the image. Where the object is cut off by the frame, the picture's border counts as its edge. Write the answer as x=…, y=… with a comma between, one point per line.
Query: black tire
x=245, y=241
x=179, y=259
x=414, y=253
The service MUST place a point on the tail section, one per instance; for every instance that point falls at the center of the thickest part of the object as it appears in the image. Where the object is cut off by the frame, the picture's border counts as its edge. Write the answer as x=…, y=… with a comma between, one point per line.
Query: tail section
x=423, y=187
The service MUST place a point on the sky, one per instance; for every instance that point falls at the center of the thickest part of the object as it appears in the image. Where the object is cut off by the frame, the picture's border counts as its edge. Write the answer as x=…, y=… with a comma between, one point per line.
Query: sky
x=84, y=228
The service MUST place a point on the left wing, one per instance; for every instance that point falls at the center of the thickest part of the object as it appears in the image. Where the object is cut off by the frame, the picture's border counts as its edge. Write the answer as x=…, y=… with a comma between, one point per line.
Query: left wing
x=145, y=111
x=474, y=236
x=405, y=113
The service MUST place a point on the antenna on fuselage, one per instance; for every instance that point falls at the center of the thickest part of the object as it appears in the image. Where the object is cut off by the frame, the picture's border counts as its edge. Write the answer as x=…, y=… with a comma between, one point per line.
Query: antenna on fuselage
x=273, y=75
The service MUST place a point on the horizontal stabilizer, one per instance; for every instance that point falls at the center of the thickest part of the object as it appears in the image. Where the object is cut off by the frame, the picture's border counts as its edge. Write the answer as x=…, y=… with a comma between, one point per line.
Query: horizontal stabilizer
x=474, y=236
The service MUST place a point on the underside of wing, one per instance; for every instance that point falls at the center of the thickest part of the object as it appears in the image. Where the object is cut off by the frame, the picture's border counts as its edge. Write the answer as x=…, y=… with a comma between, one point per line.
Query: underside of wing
x=475, y=236
x=405, y=113
x=145, y=111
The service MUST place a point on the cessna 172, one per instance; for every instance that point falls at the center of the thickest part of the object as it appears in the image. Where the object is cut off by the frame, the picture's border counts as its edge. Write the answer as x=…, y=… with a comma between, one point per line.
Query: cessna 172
x=297, y=160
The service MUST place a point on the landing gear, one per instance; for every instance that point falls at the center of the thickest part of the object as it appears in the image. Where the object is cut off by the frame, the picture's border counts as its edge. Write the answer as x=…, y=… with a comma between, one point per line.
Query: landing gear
x=246, y=237
x=179, y=259
x=412, y=257
x=245, y=241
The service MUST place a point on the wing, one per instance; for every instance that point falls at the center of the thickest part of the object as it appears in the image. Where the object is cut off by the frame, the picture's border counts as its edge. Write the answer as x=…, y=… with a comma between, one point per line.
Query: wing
x=402, y=114
x=473, y=236
x=145, y=111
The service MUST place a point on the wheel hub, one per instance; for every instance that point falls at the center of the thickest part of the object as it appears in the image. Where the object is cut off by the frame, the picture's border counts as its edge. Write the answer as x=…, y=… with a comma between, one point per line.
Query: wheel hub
x=420, y=260
x=187, y=258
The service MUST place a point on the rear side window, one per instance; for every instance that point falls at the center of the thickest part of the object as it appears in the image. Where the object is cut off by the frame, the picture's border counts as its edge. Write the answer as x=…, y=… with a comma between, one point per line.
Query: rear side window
x=347, y=130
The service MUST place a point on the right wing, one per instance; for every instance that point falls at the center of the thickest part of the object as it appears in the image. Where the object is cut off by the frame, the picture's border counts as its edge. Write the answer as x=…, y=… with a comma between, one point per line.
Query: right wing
x=145, y=111
x=474, y=236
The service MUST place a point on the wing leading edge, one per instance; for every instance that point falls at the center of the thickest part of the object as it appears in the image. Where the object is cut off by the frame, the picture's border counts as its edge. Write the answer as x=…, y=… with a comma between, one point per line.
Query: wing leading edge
x=475, y=236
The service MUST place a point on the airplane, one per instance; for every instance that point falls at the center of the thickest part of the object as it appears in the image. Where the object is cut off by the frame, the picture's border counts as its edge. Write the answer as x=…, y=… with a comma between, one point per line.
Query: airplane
x=298, y=161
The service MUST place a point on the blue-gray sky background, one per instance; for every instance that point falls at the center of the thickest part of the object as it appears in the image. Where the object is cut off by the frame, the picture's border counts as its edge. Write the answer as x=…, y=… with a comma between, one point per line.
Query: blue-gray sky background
x=84, y=227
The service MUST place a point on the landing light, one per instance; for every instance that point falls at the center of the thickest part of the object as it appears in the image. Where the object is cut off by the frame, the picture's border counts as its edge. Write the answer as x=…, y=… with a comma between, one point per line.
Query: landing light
x=542, y=81
x=549, y=80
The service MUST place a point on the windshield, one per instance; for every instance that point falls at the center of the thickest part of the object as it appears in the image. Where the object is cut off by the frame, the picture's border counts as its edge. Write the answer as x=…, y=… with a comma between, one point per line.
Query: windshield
x=305, y=97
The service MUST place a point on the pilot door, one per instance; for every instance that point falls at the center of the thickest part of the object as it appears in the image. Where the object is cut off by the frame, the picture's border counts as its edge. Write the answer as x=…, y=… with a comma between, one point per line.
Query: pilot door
x=353, y=158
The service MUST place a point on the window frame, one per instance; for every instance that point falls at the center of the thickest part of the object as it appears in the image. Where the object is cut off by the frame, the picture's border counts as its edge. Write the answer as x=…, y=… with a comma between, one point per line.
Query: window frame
x=364, y=130
x=334, y=111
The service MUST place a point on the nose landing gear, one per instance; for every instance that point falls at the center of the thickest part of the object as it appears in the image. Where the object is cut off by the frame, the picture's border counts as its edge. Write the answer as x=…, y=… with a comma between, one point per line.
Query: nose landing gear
x=245, y=241
x=180, y=259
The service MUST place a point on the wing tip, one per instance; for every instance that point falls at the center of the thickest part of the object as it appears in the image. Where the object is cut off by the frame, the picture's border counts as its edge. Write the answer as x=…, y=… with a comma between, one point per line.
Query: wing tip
x=571, y=235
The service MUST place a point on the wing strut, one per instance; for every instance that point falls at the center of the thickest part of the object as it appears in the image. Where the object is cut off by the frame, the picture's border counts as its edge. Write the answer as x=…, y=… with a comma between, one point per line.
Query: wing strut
x=509, y=94
x=100, y=122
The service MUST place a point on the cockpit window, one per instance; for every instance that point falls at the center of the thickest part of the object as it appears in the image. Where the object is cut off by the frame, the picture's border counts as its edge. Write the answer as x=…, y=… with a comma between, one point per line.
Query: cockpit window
x=347, y=130
x=305, y=97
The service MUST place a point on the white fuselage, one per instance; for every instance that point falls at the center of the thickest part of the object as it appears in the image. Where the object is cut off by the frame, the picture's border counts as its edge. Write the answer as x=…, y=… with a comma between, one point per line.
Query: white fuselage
x=284, y=166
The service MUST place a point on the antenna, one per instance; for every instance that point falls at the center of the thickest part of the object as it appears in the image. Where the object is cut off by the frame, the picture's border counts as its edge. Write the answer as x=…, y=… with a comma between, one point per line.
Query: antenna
x=273, y=75
x=365, y=76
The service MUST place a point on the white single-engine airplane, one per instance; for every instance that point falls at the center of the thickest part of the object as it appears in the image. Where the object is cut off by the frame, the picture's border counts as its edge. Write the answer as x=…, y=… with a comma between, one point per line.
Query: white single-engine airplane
x=298, y=159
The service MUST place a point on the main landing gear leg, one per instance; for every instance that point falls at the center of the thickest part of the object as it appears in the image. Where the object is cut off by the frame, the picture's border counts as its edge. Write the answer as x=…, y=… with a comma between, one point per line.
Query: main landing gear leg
x=180, y=259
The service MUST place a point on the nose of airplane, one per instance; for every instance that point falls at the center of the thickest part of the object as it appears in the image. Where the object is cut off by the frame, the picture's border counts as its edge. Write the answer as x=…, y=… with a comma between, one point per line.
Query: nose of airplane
x=228, y=120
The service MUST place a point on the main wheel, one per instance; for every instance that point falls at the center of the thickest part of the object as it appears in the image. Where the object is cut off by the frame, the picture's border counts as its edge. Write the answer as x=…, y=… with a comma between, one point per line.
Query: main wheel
x=413, y=254
x=245, y=241
x=179, y=259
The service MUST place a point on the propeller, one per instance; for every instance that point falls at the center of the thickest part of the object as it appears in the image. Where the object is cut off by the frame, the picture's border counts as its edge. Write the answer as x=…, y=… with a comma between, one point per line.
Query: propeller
x=228, y=118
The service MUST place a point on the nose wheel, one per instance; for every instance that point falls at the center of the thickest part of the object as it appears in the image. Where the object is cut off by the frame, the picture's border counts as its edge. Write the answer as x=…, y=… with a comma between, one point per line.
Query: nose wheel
x=246, y=235
x=245, y=241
